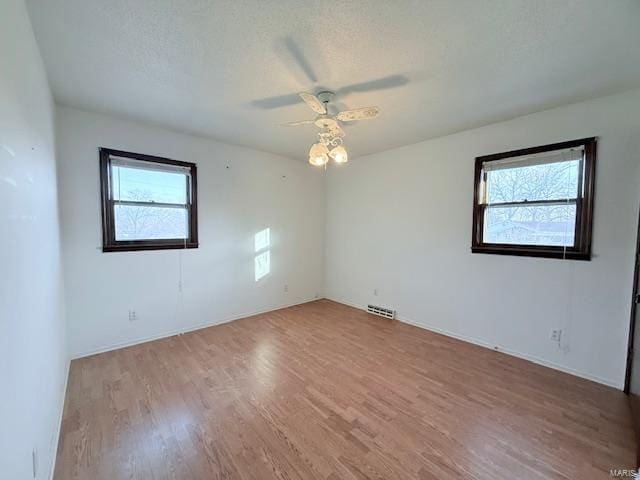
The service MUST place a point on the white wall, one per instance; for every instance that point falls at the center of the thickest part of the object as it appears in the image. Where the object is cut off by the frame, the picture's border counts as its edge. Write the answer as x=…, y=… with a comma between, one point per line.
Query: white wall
x=33, y=362
x=400, y=222
x=240, y=192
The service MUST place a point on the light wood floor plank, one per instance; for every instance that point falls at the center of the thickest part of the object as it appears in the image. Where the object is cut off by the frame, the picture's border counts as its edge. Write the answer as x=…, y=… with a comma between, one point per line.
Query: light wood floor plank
x=325, y=391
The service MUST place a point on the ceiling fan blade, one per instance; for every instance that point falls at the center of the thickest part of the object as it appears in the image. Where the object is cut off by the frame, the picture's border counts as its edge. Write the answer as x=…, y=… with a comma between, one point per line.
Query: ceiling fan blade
x=298, y=56
x=313, y=103
x=295, y=124
x=276, y=102
x=363, y=113
x=392, y=81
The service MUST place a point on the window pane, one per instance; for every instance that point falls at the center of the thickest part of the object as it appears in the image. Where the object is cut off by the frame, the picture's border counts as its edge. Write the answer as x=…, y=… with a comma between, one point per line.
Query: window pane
x=550, y=181
x=149, y=185
x=531, y=225
x=150, y=223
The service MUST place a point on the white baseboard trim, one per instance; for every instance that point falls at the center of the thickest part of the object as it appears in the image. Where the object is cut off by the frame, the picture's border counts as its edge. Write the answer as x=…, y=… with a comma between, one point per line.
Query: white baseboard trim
x=52, y=468
x=192, y=328
x=499, y=348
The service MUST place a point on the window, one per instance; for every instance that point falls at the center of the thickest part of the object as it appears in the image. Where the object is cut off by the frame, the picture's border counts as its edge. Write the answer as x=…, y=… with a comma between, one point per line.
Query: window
x=536, y=202
x=148, y=203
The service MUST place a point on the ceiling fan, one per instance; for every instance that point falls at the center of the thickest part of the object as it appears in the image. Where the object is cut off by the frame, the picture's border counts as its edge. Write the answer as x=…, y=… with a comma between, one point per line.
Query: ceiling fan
x=330, y=137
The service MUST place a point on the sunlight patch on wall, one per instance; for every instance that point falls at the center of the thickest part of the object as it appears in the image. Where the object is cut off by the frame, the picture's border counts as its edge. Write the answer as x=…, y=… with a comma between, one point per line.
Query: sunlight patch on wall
x=262, y=265
x=262, y=261
x=262, y=239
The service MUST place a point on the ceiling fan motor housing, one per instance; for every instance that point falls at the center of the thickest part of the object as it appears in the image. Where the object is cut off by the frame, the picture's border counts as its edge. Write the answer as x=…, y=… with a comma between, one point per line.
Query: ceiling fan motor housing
x=325, y=96
x=325, y=121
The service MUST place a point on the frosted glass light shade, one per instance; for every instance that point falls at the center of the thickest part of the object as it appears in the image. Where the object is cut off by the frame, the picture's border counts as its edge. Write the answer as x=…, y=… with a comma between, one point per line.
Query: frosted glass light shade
x=339, y=154
x=318, y=155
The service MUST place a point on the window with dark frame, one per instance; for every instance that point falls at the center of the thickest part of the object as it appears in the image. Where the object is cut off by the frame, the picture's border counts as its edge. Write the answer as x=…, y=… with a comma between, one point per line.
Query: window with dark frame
x=536, y=201
x=148, y=203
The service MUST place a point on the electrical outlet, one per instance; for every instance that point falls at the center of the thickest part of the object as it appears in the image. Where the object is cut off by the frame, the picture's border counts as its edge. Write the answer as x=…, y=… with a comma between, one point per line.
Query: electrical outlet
x=286, y=288
x=132, y=316
x=375, y=292
x=555, y=335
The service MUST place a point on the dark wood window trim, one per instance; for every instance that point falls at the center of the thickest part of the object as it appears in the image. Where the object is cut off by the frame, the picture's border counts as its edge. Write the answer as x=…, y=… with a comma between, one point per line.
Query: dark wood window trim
x=584, y=206
x=109, y=242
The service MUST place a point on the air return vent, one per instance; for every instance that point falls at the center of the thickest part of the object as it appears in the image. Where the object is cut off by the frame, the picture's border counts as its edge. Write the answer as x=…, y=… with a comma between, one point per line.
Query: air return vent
x=383, y=312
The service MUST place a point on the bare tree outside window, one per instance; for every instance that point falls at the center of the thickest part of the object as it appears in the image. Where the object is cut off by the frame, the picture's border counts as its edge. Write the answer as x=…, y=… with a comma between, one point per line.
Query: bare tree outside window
x=148, y=202
x=545, y=224
x=536, y=201
x=149, y=222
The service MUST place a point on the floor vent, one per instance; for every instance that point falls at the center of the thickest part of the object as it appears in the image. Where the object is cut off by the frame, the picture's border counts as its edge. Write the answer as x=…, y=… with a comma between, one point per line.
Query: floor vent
x=383, y=312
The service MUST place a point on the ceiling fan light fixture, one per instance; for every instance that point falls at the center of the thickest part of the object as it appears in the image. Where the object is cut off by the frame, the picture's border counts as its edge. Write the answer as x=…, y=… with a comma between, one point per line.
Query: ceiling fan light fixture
x=339, y=154
x=318, y=155
x=331, y=134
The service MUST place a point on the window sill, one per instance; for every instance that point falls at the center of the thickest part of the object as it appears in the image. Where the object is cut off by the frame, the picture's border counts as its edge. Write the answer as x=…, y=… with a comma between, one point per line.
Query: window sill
x=135, y=247
x=524, y=251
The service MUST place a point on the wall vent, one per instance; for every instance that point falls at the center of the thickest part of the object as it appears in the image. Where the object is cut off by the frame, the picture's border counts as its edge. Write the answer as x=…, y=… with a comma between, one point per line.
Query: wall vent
x=383, y=312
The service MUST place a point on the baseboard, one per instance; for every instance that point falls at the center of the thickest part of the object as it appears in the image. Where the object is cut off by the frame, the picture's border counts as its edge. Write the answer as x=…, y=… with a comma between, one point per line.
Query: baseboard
x=178, y=331
x=52, y=468
x=499, y=348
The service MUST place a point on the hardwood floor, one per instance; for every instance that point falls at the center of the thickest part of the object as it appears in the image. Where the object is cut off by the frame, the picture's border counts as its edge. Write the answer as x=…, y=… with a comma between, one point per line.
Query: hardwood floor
x=325, y=391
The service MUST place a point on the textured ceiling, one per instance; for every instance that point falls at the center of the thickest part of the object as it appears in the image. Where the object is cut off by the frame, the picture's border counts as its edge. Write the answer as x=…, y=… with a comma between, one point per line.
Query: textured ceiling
x=229, y=69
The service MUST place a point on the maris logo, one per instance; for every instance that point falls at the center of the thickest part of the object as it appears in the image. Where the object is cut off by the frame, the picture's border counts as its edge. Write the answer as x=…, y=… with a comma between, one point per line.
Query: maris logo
x=623, y=473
